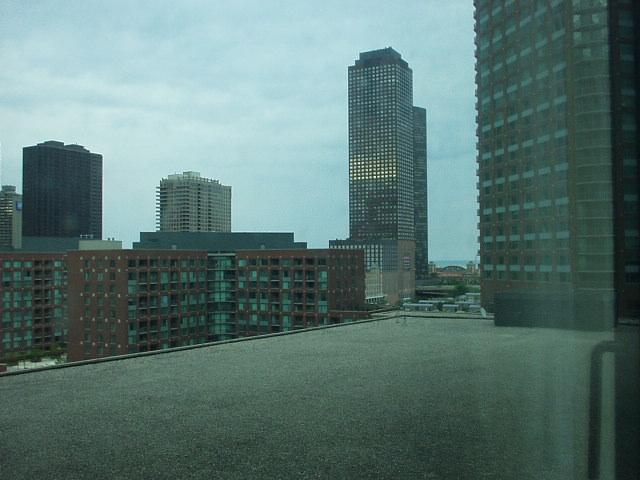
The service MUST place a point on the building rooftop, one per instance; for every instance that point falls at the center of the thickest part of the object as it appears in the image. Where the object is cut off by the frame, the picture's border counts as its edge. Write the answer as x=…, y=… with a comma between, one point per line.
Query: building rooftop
x=381, y=56
x=399, y=398
x=217, y=241
x=57, y=144
x=62, y=244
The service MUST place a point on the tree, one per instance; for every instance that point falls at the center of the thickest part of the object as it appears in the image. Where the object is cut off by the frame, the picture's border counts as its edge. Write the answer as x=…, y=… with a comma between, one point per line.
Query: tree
x=36, y=355
x=460, y=289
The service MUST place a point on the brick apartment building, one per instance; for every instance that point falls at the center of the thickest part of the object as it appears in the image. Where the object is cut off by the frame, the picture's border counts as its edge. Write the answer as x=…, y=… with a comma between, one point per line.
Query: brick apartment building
x=281, y=290
x=33, y=302
x=128, y=301
x=111, y=302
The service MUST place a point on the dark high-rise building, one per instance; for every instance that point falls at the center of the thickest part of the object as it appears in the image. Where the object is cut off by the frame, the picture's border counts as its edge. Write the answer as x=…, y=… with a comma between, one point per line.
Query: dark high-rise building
x=62, y=191
x=387, y=157
x=557, y=88
x=381, y=147
x=420, y=191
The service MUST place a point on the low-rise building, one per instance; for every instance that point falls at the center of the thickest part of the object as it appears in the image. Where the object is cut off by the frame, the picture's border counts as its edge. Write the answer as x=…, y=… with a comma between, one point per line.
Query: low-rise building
x=373, y=290
x=129, y=301
x=33, y=302
x=106, y=302
x=469, y=274
x=281, y=290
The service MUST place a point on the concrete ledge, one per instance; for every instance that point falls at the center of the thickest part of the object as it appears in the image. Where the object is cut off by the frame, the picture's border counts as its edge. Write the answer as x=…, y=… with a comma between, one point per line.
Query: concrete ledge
x=183, y=348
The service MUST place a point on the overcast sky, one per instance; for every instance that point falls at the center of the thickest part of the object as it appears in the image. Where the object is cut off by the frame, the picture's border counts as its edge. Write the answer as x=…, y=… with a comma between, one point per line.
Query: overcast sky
x=252, y=93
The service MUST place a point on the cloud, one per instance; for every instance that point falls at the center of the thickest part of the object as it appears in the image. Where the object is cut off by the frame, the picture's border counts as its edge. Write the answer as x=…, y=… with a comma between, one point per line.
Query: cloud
x=253, y=93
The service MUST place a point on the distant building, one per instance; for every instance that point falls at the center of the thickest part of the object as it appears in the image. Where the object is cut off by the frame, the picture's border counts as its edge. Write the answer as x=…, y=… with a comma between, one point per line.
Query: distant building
x=373, y=285
x=433, y=269
x=452, y=272
x=469, y=274
x=558, y=115
x=127, y=301
x=387, y=169
x=10, y=217
x=381, y=147
x=106, y=244
x=188, y=202
x=62, y=191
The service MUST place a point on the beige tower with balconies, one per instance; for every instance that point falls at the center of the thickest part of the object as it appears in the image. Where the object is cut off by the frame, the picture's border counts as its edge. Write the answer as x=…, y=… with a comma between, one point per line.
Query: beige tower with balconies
x=187, y=202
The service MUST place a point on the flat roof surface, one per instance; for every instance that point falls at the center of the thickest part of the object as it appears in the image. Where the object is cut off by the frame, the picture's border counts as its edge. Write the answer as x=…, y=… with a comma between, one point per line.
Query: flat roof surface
x=410, y=398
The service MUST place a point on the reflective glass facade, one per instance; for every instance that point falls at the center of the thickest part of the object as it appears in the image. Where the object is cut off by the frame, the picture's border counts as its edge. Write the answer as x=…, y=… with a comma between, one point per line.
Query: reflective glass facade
x=557, y=151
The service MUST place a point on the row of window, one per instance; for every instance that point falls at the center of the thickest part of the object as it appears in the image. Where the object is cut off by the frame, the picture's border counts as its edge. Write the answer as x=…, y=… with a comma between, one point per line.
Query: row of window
x=285, y=284
x=288, y=274
x=164, y=262
x=539, y=244
x=562, y=277
x=286, y=262
x=31, y=264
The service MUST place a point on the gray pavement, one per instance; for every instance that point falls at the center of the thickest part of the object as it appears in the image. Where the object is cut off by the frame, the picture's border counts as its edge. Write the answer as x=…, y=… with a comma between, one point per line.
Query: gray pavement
x=422, y=398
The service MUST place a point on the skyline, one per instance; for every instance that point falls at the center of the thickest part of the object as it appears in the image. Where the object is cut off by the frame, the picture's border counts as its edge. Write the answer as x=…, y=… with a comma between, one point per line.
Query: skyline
x=241, y=93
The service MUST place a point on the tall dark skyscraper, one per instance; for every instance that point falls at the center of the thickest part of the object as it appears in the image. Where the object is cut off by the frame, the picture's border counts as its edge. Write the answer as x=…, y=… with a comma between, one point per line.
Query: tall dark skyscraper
x=381, y=193
x=557, y=88
x=420, y=191
x=62, y=191
x=387, y=173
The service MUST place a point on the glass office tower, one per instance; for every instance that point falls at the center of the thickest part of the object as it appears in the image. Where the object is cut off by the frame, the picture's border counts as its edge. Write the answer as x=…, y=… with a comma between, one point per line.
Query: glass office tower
x=557, y=112
x=387, y=171
x=381, y=192
x=62, y=191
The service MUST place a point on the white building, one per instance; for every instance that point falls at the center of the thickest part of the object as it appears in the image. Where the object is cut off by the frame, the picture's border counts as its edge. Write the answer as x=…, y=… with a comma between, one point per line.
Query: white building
x=10, y=217
x=188, y=202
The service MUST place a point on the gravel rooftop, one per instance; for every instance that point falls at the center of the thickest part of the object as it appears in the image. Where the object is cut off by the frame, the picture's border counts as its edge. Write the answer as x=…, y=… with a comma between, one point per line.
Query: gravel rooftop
x=390, y=399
